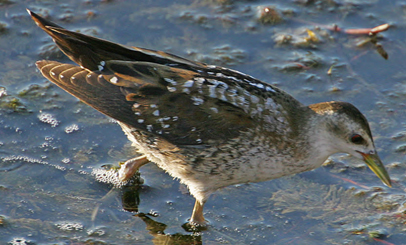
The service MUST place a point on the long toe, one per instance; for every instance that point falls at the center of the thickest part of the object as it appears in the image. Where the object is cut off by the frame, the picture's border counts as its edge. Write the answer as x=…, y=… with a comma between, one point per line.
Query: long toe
x=130, y=167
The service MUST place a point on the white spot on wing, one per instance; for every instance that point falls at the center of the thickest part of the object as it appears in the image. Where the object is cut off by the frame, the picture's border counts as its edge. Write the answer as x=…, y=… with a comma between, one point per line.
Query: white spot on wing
x=212, y=91
x=270, y=104
x=270, y=89
x=171, y=81
x=155, y=113
x=258, y=85
x=254, y=99
x=197, y=100
x=101, y=66
x=199, y=81
x=114, y=80
x=188, y=84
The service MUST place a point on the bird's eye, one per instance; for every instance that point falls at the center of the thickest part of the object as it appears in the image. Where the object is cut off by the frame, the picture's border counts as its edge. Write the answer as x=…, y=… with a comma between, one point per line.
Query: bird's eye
x=357, y=139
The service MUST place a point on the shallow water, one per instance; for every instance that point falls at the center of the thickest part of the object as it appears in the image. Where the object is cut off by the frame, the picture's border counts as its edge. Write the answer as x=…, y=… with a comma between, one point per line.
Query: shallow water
x=50, y=143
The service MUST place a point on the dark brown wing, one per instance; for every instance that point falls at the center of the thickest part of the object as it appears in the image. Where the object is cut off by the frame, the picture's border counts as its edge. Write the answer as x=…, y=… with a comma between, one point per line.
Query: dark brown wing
x=161, y=100
x=89, y=51
x=182, y=101
x=89, y=87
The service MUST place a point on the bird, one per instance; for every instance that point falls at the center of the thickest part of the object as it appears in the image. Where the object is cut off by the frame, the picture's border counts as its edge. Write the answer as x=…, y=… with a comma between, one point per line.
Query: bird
x=207, y=126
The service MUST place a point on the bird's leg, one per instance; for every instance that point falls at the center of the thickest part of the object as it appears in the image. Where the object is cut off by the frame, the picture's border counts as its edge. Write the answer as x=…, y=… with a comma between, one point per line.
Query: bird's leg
x=197, y=215
x=130, y=167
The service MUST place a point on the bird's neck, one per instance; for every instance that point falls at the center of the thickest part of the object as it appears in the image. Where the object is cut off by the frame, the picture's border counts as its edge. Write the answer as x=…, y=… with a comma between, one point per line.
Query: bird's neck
x=320, y=139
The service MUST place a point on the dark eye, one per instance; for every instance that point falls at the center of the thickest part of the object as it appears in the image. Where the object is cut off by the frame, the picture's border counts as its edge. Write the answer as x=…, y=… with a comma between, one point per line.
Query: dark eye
x=357, y=139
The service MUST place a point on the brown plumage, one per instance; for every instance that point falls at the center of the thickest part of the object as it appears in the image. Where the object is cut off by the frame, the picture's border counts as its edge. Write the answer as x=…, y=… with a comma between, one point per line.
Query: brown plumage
x=208, y=126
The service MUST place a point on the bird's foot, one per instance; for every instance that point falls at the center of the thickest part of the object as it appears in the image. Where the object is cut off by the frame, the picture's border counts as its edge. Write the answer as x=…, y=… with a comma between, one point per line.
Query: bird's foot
x=130, y=167
x=195, y=227
x=197, y=222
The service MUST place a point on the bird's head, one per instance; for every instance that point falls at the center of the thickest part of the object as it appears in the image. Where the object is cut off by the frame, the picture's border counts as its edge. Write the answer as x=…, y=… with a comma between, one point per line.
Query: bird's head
x=348, y=132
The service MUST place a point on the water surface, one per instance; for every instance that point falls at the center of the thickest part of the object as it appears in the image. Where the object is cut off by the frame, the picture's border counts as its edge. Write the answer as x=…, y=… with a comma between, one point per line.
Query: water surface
x=50, y=143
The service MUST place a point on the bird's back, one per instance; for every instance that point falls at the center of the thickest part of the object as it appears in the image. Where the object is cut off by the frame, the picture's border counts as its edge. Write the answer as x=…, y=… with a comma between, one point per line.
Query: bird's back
x=188, y=117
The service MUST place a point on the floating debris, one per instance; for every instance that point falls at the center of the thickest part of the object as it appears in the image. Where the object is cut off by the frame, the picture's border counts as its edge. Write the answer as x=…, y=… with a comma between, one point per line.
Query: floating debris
x=48, y=119
x=269, y=15
x=365, y=31
x=72, y=128
x=381, y=51
x=399, y=135
x=67, y=226
x=12, y=103
x=3, y=92
x=20, y=241
x=2, y=221
x=66, y=160
x=14, y=158
x=300, y=38
x=401, y=148
x=3, y=26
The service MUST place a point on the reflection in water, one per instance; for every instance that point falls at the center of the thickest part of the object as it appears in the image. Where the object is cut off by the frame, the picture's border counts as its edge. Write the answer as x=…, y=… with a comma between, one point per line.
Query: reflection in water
x=156, y=229
x=130, y=202
x=130, y=198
